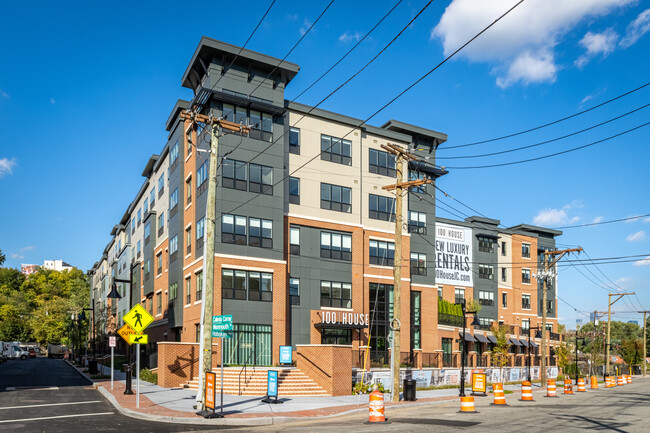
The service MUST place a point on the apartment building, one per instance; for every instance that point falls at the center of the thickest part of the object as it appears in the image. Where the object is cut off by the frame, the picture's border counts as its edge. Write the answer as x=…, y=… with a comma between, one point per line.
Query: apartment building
x=304, y=248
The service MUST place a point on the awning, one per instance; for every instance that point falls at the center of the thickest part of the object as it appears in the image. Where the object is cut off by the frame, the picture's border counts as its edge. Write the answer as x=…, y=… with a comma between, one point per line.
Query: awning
x=492, y=339
x=321, y=325
x=532, y=343
x=481, y=338
x=514, y=341
x=468, y=336
x=524, y=342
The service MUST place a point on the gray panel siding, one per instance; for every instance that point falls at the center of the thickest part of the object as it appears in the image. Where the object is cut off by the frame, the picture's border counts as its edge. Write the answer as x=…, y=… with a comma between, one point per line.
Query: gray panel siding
x=480, y=257
x=175, y=226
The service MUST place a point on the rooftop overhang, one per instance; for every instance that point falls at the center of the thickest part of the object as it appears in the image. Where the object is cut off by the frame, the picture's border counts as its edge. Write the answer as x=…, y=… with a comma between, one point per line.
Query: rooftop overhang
x=180, y=106
x=209, y=49
x=417, y=132
x=431, y=171
x=116, y=229
x=148, y=169
x=537, y=230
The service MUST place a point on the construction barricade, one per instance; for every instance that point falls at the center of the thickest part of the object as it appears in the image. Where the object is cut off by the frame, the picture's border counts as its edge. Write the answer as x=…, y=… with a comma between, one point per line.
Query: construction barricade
x=609, y=382
x=551, y=388
x=467, y=405
x=499, y=395
x=568, y=386
x=581, y=385
x=594, y=382
x=621, y=381
x=629, y=378
x=526, y=391
x=376, y=406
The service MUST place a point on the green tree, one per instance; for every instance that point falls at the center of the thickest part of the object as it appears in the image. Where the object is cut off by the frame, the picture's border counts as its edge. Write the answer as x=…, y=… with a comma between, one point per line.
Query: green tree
x=631, y=351
x=2, y=258
x=500, y=354
x=562, y=354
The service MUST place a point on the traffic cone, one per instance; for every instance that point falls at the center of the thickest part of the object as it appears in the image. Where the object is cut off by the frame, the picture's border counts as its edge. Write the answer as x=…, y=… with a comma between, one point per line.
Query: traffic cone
x=499, y=395
x=376, y=406
x=551, y=389
x=526, y=391
x=568, y=386
x=467, y=405
x=581, y=385
x=594, y=382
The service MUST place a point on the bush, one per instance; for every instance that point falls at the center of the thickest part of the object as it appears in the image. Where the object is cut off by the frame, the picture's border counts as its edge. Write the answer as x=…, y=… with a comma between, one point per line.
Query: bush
x=149, y=376
x=365, y=388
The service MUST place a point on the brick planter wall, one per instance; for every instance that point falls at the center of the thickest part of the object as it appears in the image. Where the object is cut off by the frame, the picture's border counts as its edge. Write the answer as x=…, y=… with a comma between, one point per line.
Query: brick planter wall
x=329, y=365
x=179, y=362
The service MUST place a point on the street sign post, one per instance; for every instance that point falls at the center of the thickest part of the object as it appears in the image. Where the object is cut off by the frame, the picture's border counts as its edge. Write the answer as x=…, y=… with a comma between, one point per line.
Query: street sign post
x=138, y=318
x=222, y=326
x=112, y=341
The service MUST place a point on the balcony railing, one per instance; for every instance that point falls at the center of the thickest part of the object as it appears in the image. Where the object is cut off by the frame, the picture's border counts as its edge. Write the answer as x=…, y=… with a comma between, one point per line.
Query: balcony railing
x=448, y=319
x=554, y=336
x=431, y=359
x=449, y=359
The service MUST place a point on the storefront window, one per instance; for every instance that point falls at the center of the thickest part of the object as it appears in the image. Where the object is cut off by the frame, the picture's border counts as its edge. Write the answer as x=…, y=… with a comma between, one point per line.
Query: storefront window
x=336, y=336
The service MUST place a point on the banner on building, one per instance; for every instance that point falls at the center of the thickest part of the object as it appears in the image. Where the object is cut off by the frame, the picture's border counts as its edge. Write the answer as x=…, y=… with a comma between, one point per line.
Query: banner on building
x=422, y=377
x=453, y=255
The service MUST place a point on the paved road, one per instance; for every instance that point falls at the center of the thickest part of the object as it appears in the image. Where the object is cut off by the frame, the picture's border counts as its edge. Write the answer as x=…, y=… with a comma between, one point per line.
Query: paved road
x=47, y=395
x=622, y=409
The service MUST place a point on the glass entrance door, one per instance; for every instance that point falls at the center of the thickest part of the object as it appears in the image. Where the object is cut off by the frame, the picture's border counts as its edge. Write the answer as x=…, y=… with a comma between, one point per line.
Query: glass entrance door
x=249, y=345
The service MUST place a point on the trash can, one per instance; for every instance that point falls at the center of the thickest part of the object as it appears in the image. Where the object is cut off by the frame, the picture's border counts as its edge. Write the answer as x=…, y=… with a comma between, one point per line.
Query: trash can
x=92, y=367
x=409, y=389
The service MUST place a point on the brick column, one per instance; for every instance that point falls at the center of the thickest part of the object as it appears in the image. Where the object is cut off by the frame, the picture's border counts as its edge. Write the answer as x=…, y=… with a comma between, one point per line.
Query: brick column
x=417, y=354
x=329, y=365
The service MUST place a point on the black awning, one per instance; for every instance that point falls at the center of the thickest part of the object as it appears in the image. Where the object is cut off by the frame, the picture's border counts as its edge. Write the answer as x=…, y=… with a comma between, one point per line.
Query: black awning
x=532, y=343
x=487, y=235
x=524, y=342
x=481, y=338
x=321, y=325
x=514, y=341
x=492, y=339
x=468, y=336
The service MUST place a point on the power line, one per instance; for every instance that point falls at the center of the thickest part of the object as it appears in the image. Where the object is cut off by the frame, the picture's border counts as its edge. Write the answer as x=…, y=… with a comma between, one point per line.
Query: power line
x=553, y=154
x=548, y=124
x=603, y=222
x=548, y=141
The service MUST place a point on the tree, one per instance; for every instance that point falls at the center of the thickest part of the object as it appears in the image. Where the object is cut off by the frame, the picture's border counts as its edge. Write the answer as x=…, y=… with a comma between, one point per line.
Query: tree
x=500, y=354
x=562, y=355
x=631, y=351
x=2, y=258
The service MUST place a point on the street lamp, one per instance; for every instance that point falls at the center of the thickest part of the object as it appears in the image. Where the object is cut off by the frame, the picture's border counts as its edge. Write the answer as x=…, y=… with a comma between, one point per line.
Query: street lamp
x=583, y=341
x=464, y=352
x=127, y=369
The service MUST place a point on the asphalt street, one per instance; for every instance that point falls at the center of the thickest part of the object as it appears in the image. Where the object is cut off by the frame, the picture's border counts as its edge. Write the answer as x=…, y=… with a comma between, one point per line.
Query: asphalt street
x=48, y=395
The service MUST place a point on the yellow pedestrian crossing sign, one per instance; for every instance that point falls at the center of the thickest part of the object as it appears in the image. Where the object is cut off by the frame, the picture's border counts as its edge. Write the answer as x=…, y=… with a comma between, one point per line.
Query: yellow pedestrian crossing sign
x=138, y=318
x=138, y=339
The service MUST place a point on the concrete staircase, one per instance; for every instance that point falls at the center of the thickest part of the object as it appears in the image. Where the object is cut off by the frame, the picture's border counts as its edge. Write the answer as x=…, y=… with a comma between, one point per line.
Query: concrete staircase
x=291, y=382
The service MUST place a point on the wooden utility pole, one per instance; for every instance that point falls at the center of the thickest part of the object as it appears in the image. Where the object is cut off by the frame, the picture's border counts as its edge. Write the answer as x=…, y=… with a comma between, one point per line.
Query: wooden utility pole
x=548, y=265
x=645, y=325
x=208, y=249
x=399, y=186
x=609, y=324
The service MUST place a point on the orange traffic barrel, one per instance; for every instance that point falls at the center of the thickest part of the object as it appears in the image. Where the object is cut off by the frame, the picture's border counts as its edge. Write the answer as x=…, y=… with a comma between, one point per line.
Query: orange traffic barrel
x=376, y=406
x=581, y=385
x=594, y=382
x=526, y=391
x=609, y=382
x=629, y=378
x=568, y=386
x=499, y=395
x=551, y=389
x=621, y=381
x=467, y=405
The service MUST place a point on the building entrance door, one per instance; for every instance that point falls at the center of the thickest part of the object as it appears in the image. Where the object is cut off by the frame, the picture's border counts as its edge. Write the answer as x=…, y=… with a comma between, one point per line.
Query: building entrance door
x=249, y=345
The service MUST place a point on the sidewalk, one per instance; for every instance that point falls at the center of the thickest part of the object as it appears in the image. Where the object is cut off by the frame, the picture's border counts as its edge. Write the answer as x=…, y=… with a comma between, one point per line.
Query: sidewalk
x=176, y=405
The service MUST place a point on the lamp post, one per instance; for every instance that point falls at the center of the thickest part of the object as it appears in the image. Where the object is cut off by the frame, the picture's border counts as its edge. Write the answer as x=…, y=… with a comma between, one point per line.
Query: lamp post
x=577, y=370
x=127, y=390
x=464, y=352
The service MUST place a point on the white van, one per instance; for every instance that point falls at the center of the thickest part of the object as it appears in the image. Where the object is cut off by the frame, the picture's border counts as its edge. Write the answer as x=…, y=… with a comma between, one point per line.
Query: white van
x=14, y=351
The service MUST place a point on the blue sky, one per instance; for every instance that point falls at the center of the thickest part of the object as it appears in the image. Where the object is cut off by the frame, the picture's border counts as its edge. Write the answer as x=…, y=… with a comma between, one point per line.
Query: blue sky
x=85, y=90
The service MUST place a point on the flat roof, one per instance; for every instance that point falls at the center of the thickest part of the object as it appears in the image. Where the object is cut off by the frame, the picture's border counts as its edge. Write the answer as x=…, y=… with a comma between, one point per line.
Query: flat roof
x=536, y=229
x=180, y=105
x=405, y=128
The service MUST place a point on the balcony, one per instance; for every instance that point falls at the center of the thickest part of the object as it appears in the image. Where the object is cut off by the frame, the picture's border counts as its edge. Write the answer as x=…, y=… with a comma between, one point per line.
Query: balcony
x=451, y=320
x=554, y=336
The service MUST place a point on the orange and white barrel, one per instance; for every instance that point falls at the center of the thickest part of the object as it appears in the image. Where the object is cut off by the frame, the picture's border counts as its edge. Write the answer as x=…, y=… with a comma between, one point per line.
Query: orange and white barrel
x=609, y=382
x=568, y=386
x=376, y=407
x=467, y=404
x=551, y=388
x=499, y=395
x=526, y=391
x=594, y=382
x=621, y=381
x=581, y=385
x=629, y=378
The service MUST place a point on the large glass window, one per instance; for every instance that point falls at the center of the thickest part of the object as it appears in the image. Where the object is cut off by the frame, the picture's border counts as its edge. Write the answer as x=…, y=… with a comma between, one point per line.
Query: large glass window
x=201, y=177
x=525, y=276
x=336, y=336
x=260, y=233
x=294, y=240
x=335, y=294
x=381, y=253
x=415, y=320
x=418, y=264
x=459, y=296
x=236, y=284
x=260, y=179
x=173, y=248
x=335, y=246
x=173, y=199
x=233, y=229
x=381, y=208
x=525, y=250
x=233, y=174
x=334, y=197
x=486, y=297
x=161, y=184
x=382, y=163
x=173, y=156
x=525, y=302
x=486, y=272
x=294, y=291
x=417, y=222
x=381, y=304
x=294, y=141
x=294, y=190
x=336, y=150
x=485, y=244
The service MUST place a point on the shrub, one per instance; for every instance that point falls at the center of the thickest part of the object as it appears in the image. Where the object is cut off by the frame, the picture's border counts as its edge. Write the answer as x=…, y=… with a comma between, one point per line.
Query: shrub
x=365, y=388
x=149, y=376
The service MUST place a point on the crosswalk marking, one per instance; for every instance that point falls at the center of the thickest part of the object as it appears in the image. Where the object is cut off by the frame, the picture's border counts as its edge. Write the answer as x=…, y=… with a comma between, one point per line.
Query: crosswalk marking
x=51, y=404
x=55, y=417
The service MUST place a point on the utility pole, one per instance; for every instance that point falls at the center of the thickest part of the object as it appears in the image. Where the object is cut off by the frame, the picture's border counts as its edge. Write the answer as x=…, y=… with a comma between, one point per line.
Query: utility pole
x=609, y=323
x=399, y=186
x=645, y=325
x=208, y=297
x=544, y=275
x=597, y=316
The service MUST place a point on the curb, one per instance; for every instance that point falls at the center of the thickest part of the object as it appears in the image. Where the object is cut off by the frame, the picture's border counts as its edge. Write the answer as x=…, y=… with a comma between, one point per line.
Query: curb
x=82, y=374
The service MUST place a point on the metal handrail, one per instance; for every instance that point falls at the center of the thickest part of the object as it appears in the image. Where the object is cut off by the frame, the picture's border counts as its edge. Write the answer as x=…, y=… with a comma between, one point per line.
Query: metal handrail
x=244, y=370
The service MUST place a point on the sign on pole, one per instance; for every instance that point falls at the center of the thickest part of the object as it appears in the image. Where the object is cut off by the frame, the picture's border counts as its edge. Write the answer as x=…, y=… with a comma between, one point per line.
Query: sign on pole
x=125, y=331
x=112, y=341
x=138, y=318
x=286, y=355
x=222, y=326
x=210, y=379
x=479, y=382
x=139, y=338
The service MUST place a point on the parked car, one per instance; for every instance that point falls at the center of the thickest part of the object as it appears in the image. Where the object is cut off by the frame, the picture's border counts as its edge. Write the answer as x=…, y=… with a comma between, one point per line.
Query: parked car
x=32, y=352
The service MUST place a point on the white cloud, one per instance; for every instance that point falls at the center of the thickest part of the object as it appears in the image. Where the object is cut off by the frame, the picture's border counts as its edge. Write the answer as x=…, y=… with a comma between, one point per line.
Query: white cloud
x=521, y=45
x=4, y=94
x=637, y=28
x=636, y=237
x=292, y=17
x=306, y=25
x=550, y=217
x=643, y=262
x=17, y=256
x=647, y=220
x=631, y=220
x=597, y=219
x=597, y=43
x=52, y=101
x=348, y=37
x=27, y=248
x=7, y=166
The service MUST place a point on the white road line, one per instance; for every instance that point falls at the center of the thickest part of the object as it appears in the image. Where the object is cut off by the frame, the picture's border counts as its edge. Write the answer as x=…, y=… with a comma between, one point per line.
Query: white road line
x=51, y=404
x=54, y=417
x=26, y=388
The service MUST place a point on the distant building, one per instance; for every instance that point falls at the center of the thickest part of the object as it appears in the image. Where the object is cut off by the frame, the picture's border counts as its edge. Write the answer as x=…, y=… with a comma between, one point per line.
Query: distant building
x=56, y=265
x=636, y=322
x=28, y=269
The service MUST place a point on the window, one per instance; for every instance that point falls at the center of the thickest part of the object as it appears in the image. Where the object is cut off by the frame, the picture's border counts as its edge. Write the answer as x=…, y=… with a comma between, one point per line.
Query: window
x=504, y=300
x=267, y=122
x=415, y=320
x=188, y=290
x=173, y=291
x=418, y=264
x=235, y=284
x=334, y=197
x=459, y=296
x=133, y=225
x=485, y=323
x=294, y=190
x=415, y=174
x=525, y=250
x=173, y=156
x=504, y=275
x=525, y=276
x=335, y=294
x=504, y=251
x=147, y=268
x=382, y=253
x=294, y=240
x=161, y=223
x=294, y=141
x=139, y=217
x=159, y=263
x=336, y=150
x=549, y=327
x=417, y=222
x=234, y=174
x=335, y=246
x=188, y=241
x=139, y=248
x=159, y=304
x=161, y=185
x=549, y=307
x=447, y=355
x=197, y=332
x=173, y=248
x=294, y=291
x=525, y=325
x=381, y=208
x=188, y=140
x=200, y=231
x=382, y=163
x=336, y=336
x=146, y=205
x=228, y=112
x=233, y=229
x=173, y=199
x=152, y=196
x=199, y=286
x=188, y=190
x=439, y=292
x=202, y=176
x=485, y=297
x=486, y=272
x=485, y=244
x=260, y=233
x=147, y=232
x=260, y=179
x=525, y=302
